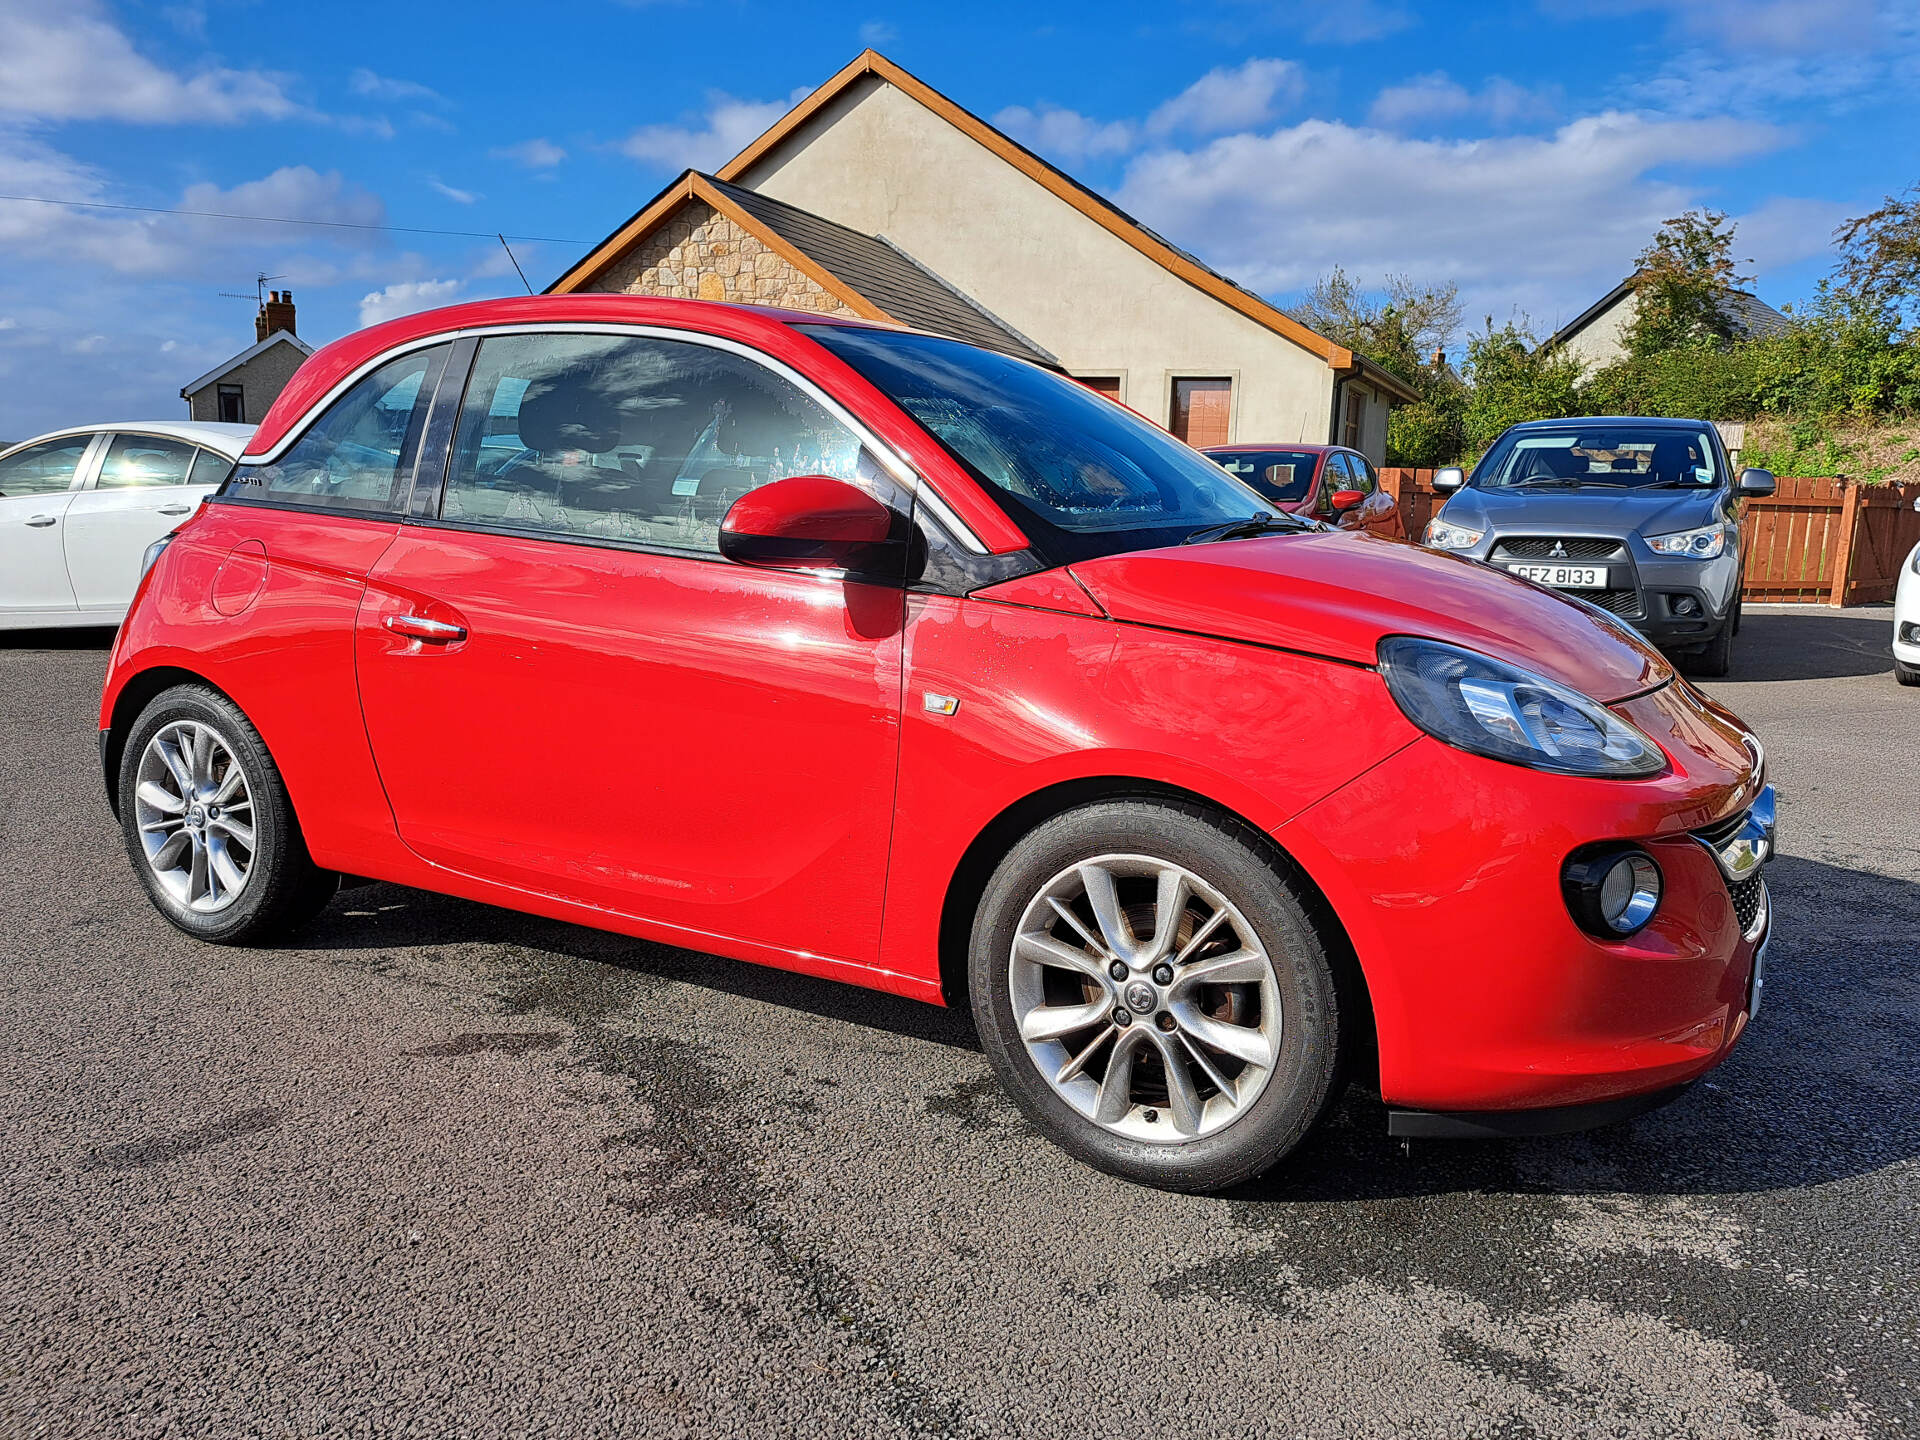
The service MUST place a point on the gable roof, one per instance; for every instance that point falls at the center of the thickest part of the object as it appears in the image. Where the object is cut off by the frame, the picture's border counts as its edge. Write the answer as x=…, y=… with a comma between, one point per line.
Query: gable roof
x=1094, y=206
x=1750, y=315
x=229, y=366
x=869, y=274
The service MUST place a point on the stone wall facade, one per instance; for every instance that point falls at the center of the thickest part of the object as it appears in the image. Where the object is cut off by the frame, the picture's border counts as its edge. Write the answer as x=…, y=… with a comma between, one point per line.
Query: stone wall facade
x=700, y=254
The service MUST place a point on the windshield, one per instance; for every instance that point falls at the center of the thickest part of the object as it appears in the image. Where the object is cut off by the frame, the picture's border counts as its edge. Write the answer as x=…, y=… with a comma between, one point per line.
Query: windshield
x=1599, y=455
x=1079, y=474
x=1280, y=475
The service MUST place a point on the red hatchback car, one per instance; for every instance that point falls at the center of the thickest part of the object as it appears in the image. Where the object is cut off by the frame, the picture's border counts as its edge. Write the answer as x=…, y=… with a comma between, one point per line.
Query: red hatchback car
x=877, y=656
x=1329, y=482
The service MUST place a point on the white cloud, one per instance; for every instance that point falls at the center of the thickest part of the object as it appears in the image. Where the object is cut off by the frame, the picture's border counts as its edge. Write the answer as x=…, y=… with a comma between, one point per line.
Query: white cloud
x=876, y=33
x=1437, y=96
x=1785, y=230
x=295, y=192
x=728, y=126
x=406, y=297
x=385, y=87
x=1230, y=99
x=1786, y=26
x=458, y=196
x=1542, y=222
x=540, y=154
x=1355, y=21
x=1063, y=134
x=66, y=60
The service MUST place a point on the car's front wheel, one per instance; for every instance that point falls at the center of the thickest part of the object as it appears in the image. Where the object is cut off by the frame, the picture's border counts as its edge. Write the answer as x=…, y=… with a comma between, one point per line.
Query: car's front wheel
x=208, y=823
x=1906, y=674
x=1715, y=658
x=1154, y=994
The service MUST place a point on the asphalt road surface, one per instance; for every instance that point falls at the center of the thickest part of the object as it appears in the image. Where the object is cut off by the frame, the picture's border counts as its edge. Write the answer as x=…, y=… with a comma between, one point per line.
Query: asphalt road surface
x=442, y=1170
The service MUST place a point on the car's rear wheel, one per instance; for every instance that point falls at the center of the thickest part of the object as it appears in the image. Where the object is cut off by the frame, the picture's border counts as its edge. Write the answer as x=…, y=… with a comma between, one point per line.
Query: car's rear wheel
x=208, y=823
x=1154, y=994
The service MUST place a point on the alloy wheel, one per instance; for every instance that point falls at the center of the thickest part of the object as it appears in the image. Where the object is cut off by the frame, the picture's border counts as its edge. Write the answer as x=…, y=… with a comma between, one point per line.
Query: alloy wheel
x=194, y=809
x=1144, y=998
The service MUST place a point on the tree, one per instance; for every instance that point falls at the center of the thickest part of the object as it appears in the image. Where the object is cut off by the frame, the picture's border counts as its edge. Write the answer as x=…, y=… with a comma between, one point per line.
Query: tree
x=1398, y=327
x=1513, y=378
x=1880, y=256
x=1679, y=281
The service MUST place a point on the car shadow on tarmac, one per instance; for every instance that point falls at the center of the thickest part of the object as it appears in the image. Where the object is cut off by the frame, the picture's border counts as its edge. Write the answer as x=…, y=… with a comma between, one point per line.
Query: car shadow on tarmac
x=1818, y=1089
x=1812, y=643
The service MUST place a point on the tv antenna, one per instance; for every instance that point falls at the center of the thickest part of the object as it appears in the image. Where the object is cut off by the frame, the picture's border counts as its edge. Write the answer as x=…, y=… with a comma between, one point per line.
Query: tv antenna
x=260, y=283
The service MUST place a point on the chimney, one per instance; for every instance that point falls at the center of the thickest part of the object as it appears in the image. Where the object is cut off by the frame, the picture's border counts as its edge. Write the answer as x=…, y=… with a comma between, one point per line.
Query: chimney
x=275, y=314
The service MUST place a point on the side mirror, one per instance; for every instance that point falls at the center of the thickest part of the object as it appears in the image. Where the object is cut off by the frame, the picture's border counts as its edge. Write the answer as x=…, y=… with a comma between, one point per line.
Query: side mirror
x=812, y=522
x=1755, y=482
x=1451, y=478
x=1345, y=500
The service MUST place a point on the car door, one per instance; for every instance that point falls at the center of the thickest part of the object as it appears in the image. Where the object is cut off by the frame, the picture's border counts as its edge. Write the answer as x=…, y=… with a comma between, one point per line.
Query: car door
x=143, y=487
x=569, y=691
x=36, y=490
x=1335, y=476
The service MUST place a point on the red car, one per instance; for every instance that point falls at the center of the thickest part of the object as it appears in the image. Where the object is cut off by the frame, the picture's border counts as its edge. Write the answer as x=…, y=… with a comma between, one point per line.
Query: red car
x=1329, y=482
x=872, y=655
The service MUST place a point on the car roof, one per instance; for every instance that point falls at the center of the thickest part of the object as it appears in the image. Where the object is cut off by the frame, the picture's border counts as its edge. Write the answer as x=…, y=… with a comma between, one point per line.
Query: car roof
x=753, y=324
x=1657, y=422
x=1239, y=445
x=229, y=440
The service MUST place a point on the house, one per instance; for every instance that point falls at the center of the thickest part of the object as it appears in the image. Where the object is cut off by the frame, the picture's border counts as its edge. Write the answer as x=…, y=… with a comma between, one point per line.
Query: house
x=877, y=196
x=1597, y=336
x=239, y=391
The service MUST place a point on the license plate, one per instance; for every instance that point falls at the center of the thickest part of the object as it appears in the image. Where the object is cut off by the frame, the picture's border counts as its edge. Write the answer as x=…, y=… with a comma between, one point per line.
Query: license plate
x=1566, y=577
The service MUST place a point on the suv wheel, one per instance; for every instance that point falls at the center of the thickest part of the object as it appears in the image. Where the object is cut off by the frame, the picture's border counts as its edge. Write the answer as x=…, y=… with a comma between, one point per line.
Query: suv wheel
x=1154, y=995
x=1715, y=658
x=208, y=824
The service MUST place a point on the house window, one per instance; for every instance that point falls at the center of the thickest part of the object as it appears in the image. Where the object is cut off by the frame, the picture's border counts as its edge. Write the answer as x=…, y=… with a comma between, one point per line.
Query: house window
x=1356, y=408
x=233, y=405
x=1200, y=411
x=1107, y=385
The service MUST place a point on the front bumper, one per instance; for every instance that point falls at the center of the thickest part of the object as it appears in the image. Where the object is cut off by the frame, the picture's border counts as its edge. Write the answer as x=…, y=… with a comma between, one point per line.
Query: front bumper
x=1671, y=601
x=1487, y=997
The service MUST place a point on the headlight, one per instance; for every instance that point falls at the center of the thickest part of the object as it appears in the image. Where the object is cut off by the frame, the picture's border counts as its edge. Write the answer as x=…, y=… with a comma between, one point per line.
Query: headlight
x=153, y=553
x=1706, y=543
x=1443, y=535
x=1490, y=708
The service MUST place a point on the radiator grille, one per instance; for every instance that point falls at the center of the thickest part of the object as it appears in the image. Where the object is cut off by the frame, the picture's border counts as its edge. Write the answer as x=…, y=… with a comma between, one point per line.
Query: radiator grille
x=1573, y=547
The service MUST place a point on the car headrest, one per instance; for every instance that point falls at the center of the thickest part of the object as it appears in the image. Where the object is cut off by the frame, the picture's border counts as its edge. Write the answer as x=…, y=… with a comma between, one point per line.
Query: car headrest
x=567, y=413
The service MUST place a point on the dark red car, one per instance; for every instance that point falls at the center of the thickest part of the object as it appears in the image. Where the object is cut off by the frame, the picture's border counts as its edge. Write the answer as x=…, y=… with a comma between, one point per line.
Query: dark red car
x=1328, y=482
x=876, y=656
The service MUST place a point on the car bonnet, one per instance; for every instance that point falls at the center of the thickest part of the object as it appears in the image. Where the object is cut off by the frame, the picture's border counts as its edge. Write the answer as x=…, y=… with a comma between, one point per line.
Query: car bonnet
x=1338, y=593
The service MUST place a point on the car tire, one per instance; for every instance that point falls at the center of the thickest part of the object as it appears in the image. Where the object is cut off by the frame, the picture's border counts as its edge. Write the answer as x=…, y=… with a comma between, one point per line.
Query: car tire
x=1906, y=674
x=208, y=823
x=1715, y=658
x=1248, y=1003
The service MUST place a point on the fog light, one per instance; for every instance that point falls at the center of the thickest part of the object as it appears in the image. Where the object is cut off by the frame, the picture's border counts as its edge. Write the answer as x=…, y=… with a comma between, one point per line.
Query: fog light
x=1612, y=892
x=1686, y=605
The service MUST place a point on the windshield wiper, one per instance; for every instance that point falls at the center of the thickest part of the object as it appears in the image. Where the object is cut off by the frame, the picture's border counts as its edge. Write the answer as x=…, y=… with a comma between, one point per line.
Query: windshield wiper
x=1247, y=528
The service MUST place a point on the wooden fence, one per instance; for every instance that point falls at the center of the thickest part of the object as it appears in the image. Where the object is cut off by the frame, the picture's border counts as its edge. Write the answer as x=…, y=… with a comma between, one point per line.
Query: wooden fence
x=1813, y=541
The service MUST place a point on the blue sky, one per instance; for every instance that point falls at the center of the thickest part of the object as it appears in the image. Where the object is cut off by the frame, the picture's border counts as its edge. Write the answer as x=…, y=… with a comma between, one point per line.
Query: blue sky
x=1524, y=149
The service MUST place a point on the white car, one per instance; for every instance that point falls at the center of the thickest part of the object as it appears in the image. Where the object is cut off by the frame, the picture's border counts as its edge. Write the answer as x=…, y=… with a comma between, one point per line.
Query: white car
x=1906, y=620
x=78, y=509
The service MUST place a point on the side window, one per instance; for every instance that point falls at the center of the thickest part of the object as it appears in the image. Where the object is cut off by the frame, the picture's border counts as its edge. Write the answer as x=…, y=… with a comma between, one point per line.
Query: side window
x=134, y=460
x=43, y=468
x=210, y=467
x=359, y=454
x=1364, y=478
x=644, y=440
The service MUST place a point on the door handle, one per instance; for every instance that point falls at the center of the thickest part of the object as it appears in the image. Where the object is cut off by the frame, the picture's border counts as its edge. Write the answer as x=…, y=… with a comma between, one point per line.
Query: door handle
x=175, y=509
x=418, y=627
x=40, y=522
